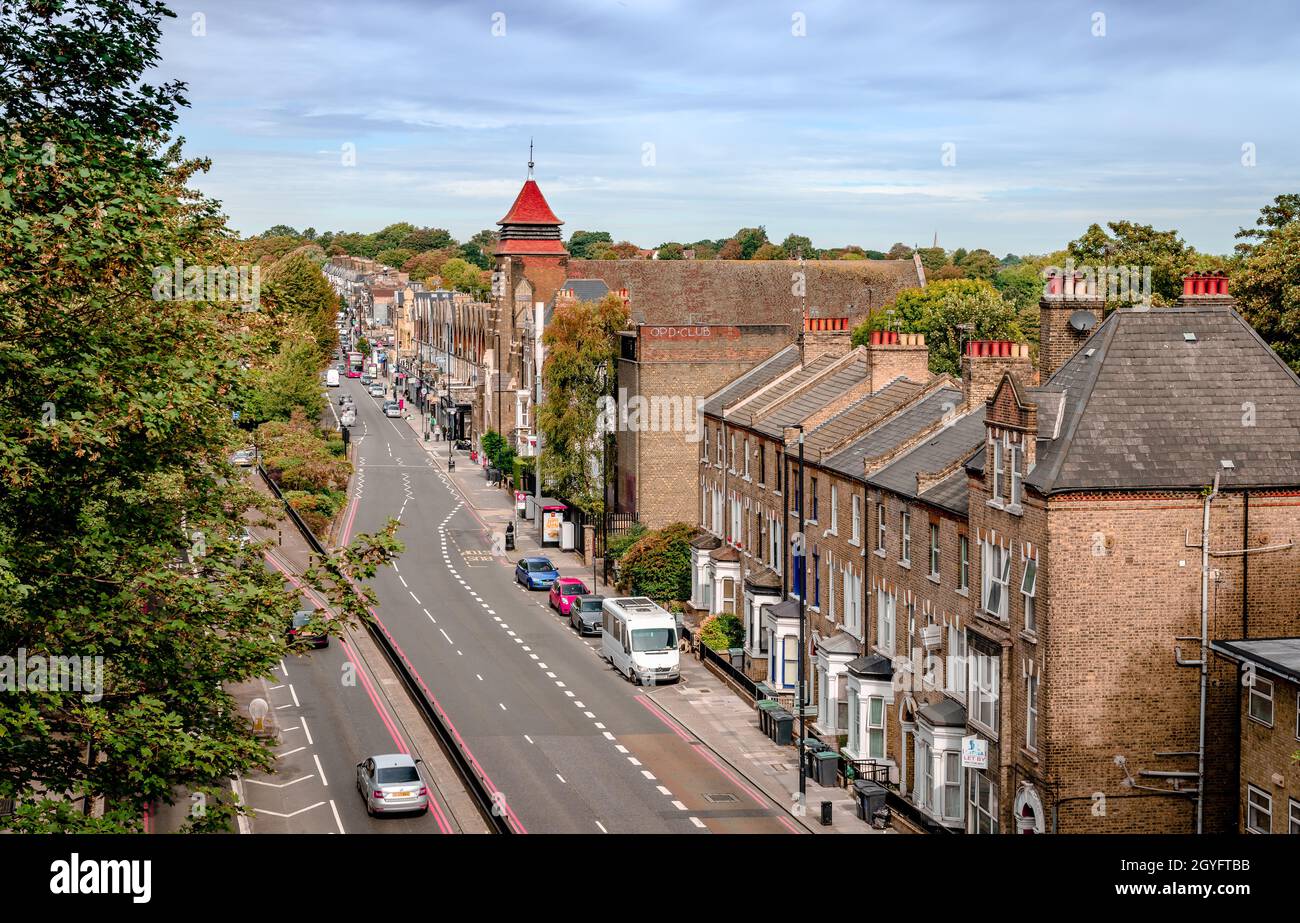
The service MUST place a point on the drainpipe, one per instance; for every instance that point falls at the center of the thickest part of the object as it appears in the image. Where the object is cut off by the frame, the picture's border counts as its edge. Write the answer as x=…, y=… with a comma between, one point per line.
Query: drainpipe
x=1205, y=645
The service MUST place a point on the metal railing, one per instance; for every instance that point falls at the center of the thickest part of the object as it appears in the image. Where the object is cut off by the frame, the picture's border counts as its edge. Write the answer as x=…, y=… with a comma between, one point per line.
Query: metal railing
x=484, y=797
x=736, y=675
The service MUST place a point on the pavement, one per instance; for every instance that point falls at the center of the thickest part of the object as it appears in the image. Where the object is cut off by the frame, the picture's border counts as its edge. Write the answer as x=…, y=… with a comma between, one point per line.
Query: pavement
x=732, y=767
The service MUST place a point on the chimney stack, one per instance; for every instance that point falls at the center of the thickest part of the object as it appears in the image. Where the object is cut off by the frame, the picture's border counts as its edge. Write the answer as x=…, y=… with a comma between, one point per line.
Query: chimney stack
x=1210, y=287
x=826, y=336
x=1069, y=310
x=897, y=355
x=984, y=363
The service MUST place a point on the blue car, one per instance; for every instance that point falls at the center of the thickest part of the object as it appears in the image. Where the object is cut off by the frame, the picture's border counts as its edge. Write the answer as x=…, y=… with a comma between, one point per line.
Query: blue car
x=536, y=573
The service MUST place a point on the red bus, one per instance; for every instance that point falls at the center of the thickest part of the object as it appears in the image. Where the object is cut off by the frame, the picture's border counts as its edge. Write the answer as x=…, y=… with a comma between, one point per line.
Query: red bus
x=355, y=360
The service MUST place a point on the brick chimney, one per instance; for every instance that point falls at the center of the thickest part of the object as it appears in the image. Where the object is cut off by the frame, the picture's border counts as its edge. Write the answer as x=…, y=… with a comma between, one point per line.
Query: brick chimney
x=983, y=364
x=897, y=355
x=1205, y=288
x=826, y=336
x=1068, y=312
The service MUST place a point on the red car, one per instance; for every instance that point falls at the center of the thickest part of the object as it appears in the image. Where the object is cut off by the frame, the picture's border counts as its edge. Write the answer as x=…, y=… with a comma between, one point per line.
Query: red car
x=564, y=591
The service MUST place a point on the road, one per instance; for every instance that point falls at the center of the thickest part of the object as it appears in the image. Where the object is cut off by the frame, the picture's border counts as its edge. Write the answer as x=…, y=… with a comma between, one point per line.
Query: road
x=571, y=745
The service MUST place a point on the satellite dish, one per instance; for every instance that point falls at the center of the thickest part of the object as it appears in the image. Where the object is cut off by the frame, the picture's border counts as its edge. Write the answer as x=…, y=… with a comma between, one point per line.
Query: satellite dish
x=1083, y=321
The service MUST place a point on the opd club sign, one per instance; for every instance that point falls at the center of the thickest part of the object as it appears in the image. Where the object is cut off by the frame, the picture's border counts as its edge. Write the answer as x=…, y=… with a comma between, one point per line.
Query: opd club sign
x=691, y=333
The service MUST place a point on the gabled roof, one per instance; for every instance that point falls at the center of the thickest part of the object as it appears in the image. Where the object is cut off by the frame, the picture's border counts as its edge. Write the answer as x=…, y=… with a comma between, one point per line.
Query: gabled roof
x=1157, y=399
x=813, y=397
x=530, y=208
x=760, y=375
x=944, y=449
x=860, y=414
x=894, y=432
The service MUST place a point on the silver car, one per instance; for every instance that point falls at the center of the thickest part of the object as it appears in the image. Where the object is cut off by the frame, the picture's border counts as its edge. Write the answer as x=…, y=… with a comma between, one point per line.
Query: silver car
x=391, y=783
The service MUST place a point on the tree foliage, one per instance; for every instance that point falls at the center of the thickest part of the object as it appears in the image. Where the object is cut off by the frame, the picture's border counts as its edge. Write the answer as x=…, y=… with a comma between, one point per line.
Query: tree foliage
x=1266, y=285
x=581, y=348
x=119, y=506
x=939, y=311
x=659, y=564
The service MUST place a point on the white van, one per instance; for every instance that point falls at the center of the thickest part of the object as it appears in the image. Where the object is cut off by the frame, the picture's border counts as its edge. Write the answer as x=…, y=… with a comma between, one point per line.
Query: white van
x=332, y=378
x=639, y=638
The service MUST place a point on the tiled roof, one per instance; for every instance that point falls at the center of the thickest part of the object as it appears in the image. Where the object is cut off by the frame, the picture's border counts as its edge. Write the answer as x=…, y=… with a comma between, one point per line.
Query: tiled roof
x=941, y=451
x=762, y=374
x=530, y=208
x=1152, y=408
x=894, y=432
x=860, y=414
x=530, y=247
x=817, y=394
x=750, y=291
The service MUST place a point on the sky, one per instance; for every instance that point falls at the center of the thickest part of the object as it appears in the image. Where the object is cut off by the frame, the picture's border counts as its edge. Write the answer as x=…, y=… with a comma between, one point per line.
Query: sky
x=1008, y=125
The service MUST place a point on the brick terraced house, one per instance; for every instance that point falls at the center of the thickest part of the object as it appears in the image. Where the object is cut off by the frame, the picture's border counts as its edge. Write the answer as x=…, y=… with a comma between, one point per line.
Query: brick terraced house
x=1024, y=650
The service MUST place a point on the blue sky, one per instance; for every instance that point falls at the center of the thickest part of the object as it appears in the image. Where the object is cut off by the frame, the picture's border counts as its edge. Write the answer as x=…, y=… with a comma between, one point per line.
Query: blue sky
x=838, y=134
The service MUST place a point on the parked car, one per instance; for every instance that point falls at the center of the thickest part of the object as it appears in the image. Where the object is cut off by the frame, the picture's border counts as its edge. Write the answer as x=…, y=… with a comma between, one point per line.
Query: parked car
x=585, y=614
x=244, y=458
x=536, y=573
x=300, y=633
x=391, y=783
x=564, y=591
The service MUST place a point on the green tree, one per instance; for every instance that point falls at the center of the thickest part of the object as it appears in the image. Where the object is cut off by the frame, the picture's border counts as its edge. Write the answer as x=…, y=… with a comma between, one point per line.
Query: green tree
x=940, y=311
x=933, y=258
x=900, y=252
x=671, y=251
x=769, y=252
x=1284, y=211
x=796, y=245
x=581, y=243
x=659, y=564
x=749, y=240
x=474, y=255
x=395, y=256
x=1141, y=246
x=978, y=264
x=1266, y=285
x=581, y=349
x=119, y=506
x=460, y=276
x=297, y=288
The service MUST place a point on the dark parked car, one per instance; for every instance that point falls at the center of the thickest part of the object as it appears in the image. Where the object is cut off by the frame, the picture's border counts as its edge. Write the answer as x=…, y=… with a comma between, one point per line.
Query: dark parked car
x=536, y=573
x=586, y=613
x=299, y=633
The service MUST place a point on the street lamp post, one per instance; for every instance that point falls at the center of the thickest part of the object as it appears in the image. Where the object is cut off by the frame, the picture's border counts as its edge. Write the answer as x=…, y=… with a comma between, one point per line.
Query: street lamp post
x=496, y=383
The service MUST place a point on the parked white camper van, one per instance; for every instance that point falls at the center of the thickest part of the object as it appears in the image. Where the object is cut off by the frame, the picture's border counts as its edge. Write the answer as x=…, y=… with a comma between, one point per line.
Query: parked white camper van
x=640, y=639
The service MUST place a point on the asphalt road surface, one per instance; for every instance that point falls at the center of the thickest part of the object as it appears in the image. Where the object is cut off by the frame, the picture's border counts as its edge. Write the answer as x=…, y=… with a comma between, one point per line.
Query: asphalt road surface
x=571, y=745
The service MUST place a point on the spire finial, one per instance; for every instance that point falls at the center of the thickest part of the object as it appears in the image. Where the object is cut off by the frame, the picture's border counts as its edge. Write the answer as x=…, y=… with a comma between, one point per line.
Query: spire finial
x=530, y=158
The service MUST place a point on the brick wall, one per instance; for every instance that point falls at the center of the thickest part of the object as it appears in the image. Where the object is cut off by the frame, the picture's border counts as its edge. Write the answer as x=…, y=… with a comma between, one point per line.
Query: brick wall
x=1268, y=752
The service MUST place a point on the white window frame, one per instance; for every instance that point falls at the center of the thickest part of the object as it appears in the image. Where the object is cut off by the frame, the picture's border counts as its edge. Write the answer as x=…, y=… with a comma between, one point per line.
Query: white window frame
x=1031, y=711
x=886, y=612
x=905, y=532
x=963, y=562
x=957, y=676
x=856, y=506
x=1293, y=815
x=790, y=661
x=985, y=688
x=995, y=568
x=834, y=528
x=975, y=781
x=1017, y=454
x=1254, y=693
x=882, y=528
x=999, y=476
x=934, y=550
x=1252, y=809
x=877, y=729
x=746, y=444
x=1029, y=592
x=731, y=457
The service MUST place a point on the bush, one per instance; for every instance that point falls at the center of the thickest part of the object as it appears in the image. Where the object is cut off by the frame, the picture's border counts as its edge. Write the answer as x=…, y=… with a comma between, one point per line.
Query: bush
x=723, y=631
x=617, y=547
x=659, y=564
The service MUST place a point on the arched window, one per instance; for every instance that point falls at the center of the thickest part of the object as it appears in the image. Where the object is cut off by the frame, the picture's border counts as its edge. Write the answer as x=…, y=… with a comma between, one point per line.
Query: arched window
x=1028, y=810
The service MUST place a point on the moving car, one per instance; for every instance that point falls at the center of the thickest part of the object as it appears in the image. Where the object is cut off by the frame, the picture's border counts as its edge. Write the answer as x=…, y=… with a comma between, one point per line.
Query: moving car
x=585, y=614
x=536, y=573
x=366, y=380
x=391, y=409
x=332, y=378
x=376, y=389
x=564, y=591
x=639, y=639
x=349, y=416
x=390, y=783
x=300, y=633
x=244, y=458
x=345, y=399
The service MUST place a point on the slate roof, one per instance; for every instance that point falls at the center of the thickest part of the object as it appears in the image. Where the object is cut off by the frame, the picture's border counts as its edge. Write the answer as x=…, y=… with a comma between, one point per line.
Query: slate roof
x=812, y=398
x=946, y=713
x=1150, y=409
x=872, y=665
x=860, y=414
x=895, y=431
x=762, y=374
x=943, y=449
x=583, y=290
